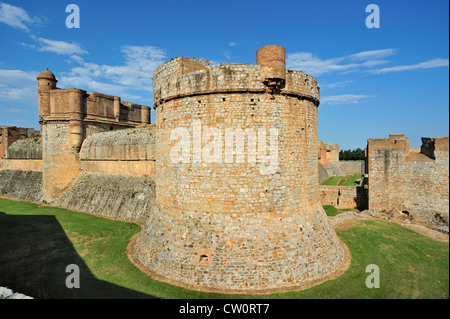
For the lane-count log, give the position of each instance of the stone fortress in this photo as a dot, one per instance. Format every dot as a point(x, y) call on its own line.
point(225, 183)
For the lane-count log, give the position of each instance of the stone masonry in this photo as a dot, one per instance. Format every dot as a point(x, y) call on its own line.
point(68, 117)
point(222, 220)
point(402, 179)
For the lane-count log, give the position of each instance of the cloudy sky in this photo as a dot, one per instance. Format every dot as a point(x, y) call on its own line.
point(393, 79)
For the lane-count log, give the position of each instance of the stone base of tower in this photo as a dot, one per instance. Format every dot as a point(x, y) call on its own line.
point(239, 252)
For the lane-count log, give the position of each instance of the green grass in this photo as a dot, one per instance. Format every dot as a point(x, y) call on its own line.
point(332, 181)
point(349, 180)
point(330, 210)
point(37, 241)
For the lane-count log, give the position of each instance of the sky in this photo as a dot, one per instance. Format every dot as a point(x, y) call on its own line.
point(374, 81)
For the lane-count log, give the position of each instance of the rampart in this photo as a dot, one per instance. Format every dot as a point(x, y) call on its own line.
point(68, 117)
point(401, 180)
point(328, 153)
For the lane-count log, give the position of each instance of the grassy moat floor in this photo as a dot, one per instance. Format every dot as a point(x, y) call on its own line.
point(348, 180)
point(38, 242)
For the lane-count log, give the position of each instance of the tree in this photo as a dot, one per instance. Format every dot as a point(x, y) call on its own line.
point(355, 155)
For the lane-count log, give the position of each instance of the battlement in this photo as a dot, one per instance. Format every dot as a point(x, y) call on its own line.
point(398, 142)
point(95, 107)
point(402, 178)
point(183, 77)
point(67, 118)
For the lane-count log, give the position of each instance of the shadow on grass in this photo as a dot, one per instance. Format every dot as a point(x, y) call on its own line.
point(34, 254)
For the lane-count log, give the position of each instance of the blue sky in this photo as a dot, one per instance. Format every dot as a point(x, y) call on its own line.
point(373, 82)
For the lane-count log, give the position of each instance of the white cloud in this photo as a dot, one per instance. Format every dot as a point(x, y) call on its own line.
point(369, 55)
point(227, 55)
point(423, 65)
point(335, 85)
point(59, 47)
point(344, 99)
point(311, 64)
point(232, 44)
point(16, 17)
point(18, 86)
point(120, 80)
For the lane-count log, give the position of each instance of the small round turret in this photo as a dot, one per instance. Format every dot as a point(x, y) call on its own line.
point(46, 83)
point(46, 74)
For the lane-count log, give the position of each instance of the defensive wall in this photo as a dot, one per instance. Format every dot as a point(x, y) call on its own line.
point(81, 161)
point(402, 179)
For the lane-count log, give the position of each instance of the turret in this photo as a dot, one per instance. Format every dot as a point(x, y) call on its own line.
point(76, 103)
point(272, 59)
point(46, 83)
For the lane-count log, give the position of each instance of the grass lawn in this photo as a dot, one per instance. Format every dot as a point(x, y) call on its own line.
point(349, 180)
point(38, 242)
point(330, 210)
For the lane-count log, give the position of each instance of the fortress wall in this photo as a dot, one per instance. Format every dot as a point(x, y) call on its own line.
point(59, 102)
point(60, 164)
point(132, 144)
point(23, 184)
point(126, 152)
point(352, 167)
point(131, 168)
point(342, 168)
point(116, 196)
point(335, 169)
point(18, 164)
point(403, 181)
point(117, 175)
point(323, 174)
point(99, 107)
point(338, 196)
point(26, 148)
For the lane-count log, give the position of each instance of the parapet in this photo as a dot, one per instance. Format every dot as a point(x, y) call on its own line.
point(394, 142)
point(398, 142)
point(430, 145)
point(183, 77)
point(27, 148)
point(97, 107)
point(133, 144)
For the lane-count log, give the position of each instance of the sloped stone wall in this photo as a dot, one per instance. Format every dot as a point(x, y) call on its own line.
point(21, 184)
point(117, 196)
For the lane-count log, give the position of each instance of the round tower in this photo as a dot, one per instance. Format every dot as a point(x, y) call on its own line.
point(237, 205)
point(46, 83)
point(76, 112)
